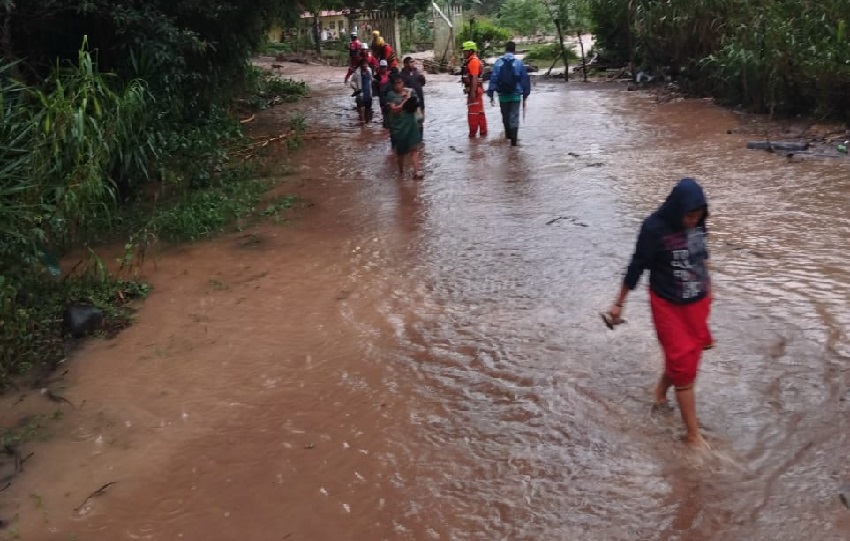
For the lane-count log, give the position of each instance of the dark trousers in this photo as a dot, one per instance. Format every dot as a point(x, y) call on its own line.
point(510, 119)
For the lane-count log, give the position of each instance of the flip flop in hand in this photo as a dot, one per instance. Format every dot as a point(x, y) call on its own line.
point(611, 321)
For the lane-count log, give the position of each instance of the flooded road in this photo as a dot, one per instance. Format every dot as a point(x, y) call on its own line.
point(425, 360)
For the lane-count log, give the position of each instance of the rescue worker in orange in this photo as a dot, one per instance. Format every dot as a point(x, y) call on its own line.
point(383, 51)
point(472, 72)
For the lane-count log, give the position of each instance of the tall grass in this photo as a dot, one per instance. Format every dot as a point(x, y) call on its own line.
point(74, 152)
point(86, 137)
point(774, 56)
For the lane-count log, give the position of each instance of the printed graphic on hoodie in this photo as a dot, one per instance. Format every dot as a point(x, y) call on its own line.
point(675, 257)
point(690, 273)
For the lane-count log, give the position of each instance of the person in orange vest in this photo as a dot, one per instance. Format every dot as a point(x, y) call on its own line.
point(383, 51)
point(472, 72)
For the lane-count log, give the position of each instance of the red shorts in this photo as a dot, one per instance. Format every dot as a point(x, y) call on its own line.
point(683, 332)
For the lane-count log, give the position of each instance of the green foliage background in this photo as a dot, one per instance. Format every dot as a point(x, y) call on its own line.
point(98, 100)
point(774, 56)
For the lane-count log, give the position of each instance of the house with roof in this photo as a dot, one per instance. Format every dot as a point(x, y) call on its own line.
point(336, 25)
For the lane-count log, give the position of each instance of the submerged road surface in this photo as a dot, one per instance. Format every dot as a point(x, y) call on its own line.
point(425, 360)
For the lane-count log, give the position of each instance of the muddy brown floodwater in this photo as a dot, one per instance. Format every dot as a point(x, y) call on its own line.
point(425, 361)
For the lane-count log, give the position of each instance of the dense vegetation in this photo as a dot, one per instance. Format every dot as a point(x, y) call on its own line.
point(776, 55)
point(781, 56)
point(104, 103)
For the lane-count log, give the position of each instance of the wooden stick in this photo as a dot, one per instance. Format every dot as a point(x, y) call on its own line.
point(97, 492)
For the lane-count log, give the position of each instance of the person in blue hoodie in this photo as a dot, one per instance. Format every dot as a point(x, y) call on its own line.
point(510, 79)
point(672, 246)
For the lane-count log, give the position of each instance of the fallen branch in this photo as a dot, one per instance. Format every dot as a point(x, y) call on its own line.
point(98, 492)
point(549, 71)
point(247, 120)
point(249, 150)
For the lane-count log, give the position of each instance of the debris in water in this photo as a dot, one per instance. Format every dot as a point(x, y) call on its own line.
point(310, 446)
point(98, 492)
point(358, 476)
point(844, 494)
point(346, 507)
point(53, 397)
point(568, 218)
point(323, 491)
point(784, 146)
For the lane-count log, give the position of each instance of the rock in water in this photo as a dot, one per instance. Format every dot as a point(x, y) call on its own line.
point(82, 319)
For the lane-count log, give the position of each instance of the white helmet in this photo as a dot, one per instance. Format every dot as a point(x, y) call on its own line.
point(364, 46)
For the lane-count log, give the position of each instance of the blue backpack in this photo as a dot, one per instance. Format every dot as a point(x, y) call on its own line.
point(507, 77)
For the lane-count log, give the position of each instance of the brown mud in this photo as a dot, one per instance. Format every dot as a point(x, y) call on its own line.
point(425, 360)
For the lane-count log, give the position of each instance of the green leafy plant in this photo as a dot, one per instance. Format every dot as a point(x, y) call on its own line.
point(489, 36)
point(548, 52)
point(525, 17)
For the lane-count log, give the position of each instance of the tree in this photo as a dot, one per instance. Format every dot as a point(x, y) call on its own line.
point(525, 17)
point(559, 11)
point(190, 52)
point(570, 17)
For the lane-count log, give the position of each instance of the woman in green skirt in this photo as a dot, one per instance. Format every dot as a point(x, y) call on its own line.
point(404, 126)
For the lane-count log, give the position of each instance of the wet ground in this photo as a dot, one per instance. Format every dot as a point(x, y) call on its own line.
point(425, 360)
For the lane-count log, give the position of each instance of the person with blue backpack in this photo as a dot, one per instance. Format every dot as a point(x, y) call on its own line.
point(510, 79)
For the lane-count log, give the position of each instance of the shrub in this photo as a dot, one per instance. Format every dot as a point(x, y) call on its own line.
point(549, 52)
point(489, 37)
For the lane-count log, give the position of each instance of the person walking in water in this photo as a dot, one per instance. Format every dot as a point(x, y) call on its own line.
point(402, 104)
point(413, 78)
point(471, 74)
point(361, 84)
point(672, 245)
point(510, 79)
point(353, 55)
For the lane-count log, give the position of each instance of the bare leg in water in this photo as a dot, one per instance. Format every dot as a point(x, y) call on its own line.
point(661, 389)
point(417, 169)
point(400, 159)
point(688, 405)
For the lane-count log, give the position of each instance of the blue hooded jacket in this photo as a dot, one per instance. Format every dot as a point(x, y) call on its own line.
point(523, 82)
point(676, 257)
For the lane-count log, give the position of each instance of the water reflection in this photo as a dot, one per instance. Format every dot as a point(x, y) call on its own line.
point(533, 419)
point(425, 359)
